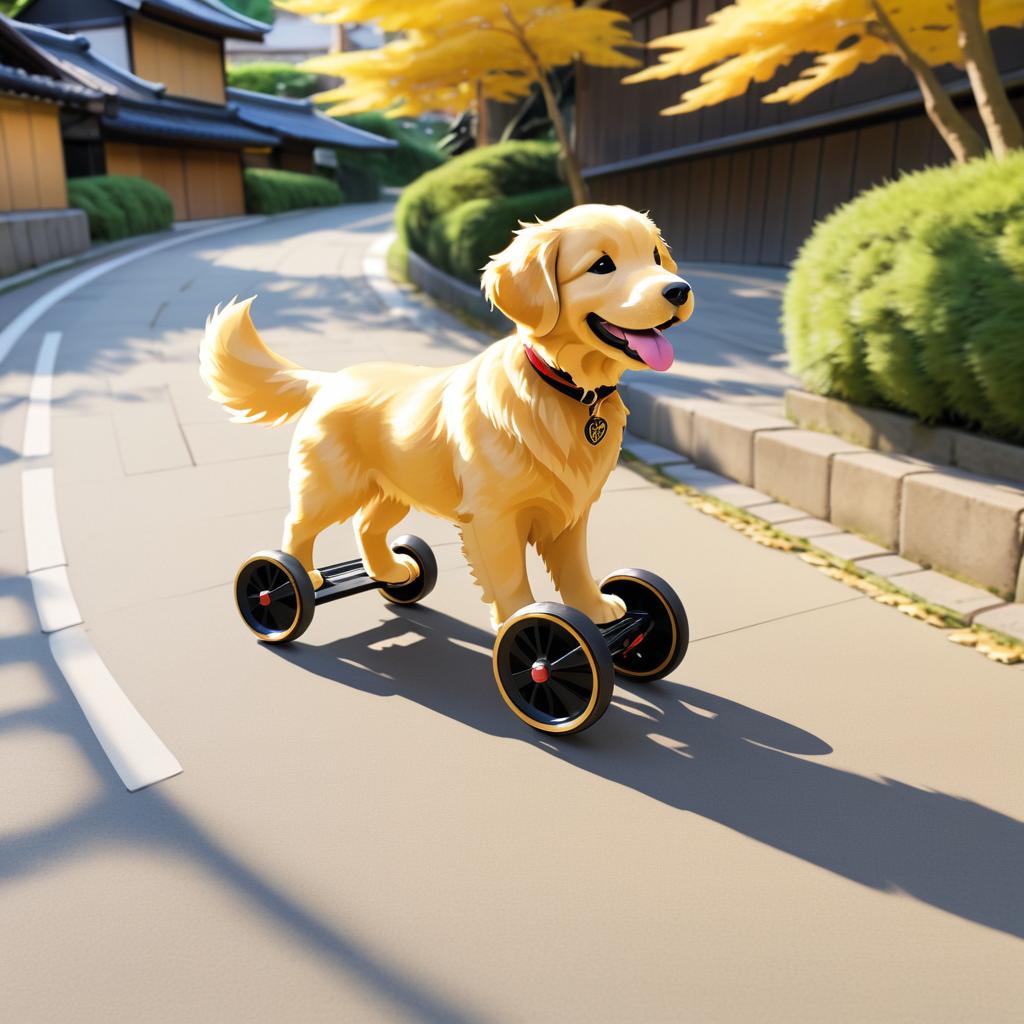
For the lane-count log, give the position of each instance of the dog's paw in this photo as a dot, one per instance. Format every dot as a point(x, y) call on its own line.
point(316, 578)
point(405, 570)
point(608, 609)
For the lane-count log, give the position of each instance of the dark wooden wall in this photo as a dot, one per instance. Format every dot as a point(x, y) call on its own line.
point(736, 199)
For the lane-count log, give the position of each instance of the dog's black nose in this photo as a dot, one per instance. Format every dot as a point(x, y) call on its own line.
point(677, 293)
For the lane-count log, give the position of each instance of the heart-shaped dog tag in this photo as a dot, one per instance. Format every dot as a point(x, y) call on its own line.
point(595, 429)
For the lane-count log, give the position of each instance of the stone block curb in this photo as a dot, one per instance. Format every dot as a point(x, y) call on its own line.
point(1008, 619)
point(965, 525)
point(937, 589)
point(848, 546)
point(887, 431)
point(723, 438)
point(650, 452)
point(866, 492)
point(887, 565)
point(795, 466)
point(777, 512)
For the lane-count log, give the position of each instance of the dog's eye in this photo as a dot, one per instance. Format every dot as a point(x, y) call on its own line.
point(603, 266)
point(657, 256)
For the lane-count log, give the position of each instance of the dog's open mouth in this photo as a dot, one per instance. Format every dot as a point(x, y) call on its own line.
point(647, 346)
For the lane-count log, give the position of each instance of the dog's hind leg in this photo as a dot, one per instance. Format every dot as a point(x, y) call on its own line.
point(372, 523)
point(300, 534)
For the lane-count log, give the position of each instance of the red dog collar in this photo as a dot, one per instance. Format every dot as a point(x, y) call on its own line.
point(562, 381)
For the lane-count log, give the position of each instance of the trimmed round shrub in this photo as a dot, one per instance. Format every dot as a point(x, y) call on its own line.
point(272, 191)
point(275, 78)
point(911, 297)
point(492, 172)
point(464, 239)
point(119, 205)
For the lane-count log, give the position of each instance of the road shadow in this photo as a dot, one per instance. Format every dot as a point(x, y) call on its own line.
point(153, 821)
point(701, 753)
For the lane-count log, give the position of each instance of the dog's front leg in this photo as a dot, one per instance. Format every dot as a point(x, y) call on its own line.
point(566, 558)
point(496, 551)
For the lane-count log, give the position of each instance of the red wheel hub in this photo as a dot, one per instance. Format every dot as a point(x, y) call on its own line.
point(264, 598)
point(539, 672)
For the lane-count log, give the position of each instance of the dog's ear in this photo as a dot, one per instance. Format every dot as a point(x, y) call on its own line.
point(521, 281)
point(666, 255)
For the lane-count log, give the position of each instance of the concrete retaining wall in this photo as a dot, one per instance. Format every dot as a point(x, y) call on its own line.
point(455, 293)
point(966, 524)
point(32, 238)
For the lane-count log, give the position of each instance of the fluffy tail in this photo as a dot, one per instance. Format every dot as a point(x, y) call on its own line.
point(245, 376)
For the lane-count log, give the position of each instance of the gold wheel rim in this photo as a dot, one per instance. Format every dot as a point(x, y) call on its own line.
point(532, 722)
point(281, 634)
point(672, 622)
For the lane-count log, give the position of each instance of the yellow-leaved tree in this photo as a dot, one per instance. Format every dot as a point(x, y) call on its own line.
point(452, 51)
point(751, 40)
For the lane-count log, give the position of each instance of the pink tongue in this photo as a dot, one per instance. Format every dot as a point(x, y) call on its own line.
point(651, 347)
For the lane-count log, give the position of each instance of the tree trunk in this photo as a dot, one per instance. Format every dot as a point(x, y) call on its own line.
point(1000, 120)
point(573, 177)
point(964, 142)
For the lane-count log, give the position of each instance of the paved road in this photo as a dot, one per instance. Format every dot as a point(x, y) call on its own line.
point(817, 818)
point(733, 349)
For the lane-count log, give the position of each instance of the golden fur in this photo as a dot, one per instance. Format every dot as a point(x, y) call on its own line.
point(486, 444)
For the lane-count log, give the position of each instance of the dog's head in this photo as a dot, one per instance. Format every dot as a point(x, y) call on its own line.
point(592, 290)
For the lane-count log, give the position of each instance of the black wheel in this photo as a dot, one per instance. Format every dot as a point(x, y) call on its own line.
point(417, 589)
point(664, 643)
point(553, 668)
point(274, 596)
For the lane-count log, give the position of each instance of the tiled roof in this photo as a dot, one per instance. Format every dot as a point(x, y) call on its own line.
point(300, 121)
point(209, 14)
point(74, 54)
point(21, 83)
point(141, 107)
point(183, 121)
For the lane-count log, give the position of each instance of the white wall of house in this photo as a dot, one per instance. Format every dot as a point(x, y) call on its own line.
point(109, 43)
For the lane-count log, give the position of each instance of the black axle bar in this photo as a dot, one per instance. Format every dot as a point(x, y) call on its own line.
point(344, 579)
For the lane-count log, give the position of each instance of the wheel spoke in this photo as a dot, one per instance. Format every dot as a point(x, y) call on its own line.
point(571, 700)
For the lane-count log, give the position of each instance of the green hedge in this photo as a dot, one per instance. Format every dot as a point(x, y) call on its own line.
point(272, 191)
point(492, 172)
point(911, 297)
point(261, 10)
point(358, 179)
point(118, 205)
point(464, 239)
point(272, 77)
point(414, 155)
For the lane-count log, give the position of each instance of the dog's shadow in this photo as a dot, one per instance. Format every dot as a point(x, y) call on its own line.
point(714, 757)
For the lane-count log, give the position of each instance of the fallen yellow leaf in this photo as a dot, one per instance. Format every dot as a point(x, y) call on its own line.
point(965, 637)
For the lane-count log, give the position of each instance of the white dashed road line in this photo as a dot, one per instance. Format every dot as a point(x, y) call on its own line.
point(37, 422)
point(55, 604)
point(135, 751)
point(138, 755)
point(43, 547)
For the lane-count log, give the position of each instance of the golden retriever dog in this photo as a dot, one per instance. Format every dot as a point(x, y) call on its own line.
point(513, 446)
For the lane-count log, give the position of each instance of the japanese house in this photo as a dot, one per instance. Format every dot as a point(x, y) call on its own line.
point(36, 93)
point(744, 181)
